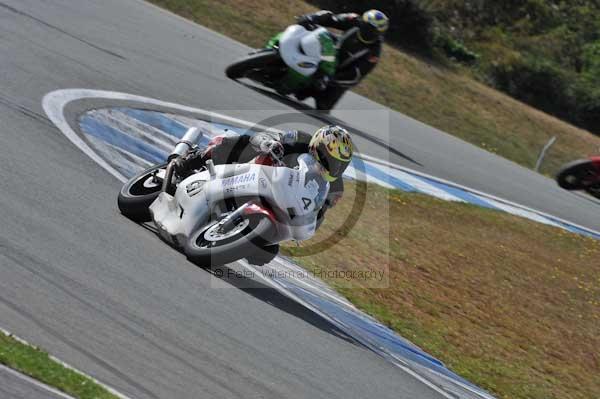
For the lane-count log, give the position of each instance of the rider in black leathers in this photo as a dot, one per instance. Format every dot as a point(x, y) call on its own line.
point(359, 52)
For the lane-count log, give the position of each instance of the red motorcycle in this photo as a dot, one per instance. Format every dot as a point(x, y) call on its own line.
point(583, 174)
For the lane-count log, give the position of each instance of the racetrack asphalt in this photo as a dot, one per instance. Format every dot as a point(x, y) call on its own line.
point(107, 296)
point(14, 385)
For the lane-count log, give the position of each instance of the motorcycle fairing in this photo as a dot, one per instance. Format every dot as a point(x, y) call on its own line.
point(306, 51)
point(296, 196)
point(302, 59)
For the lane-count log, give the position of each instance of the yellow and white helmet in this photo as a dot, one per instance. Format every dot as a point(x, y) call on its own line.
point(332, 147)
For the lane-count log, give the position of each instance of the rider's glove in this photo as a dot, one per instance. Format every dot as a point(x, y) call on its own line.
point(305, 20)
point(272, 147)
point(185, 164)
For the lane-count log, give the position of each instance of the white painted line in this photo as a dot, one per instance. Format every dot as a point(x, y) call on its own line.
point(36, 383)
point(465, 386)
point(139, 161)
point(117, 156)
point(142, 127)
point(54, 104)
point(313, 287)
point(352, 173)
point(123, 123)
point(425, 187)
point(65, 365)
point(522, 212)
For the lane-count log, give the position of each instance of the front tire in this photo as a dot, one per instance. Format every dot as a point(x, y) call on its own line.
point(575, 175)
point(205, 248)
point(260, 60)
point(138, 193)
point(594, 191)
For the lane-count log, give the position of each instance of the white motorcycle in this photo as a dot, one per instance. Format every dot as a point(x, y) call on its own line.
point(224, 213)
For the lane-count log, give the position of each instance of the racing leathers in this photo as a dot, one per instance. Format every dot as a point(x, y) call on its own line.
point(244, 148)
point(358, 53)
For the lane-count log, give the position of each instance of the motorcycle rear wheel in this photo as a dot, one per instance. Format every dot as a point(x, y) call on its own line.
point(138, 193)
point(204, 248)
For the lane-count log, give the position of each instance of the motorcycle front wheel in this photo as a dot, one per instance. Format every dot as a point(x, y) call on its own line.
point(211, 247)
point(138, 193)
point(578, 175)
point(594, 191)
point(260, 60)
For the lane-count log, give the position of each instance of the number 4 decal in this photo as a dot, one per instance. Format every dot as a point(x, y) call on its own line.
point(307, 202)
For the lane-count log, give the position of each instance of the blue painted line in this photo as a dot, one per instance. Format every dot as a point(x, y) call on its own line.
point(123, 141)
point(457, 192)
point(377, 173)
point(381, 335)
point(157, 120)
point(373, 326)
point(577, 230)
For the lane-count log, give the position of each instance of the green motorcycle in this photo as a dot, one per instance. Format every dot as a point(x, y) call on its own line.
point(296, 61)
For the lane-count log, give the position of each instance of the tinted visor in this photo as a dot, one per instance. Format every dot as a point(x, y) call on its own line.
point(334, 166)
point(368, 33)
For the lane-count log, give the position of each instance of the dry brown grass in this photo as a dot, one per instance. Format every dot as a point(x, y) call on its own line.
point(510, 304)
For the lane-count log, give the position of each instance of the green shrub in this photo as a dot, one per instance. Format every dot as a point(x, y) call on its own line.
point(455, 50)
point(591, 61)
point(537, 82)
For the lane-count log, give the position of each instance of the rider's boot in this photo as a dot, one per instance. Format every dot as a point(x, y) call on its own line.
point(327, 99)
point(303, 94)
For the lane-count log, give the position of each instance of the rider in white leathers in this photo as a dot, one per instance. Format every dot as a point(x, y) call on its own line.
point(327, 153)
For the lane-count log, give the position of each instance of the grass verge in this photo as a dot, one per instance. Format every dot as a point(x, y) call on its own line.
point(38, 364)
point(438, 96)
point(510, 304)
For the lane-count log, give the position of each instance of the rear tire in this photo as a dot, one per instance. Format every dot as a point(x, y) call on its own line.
point(245, 243)
point(573, 175)
point(260, 60)
point(138, 193)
